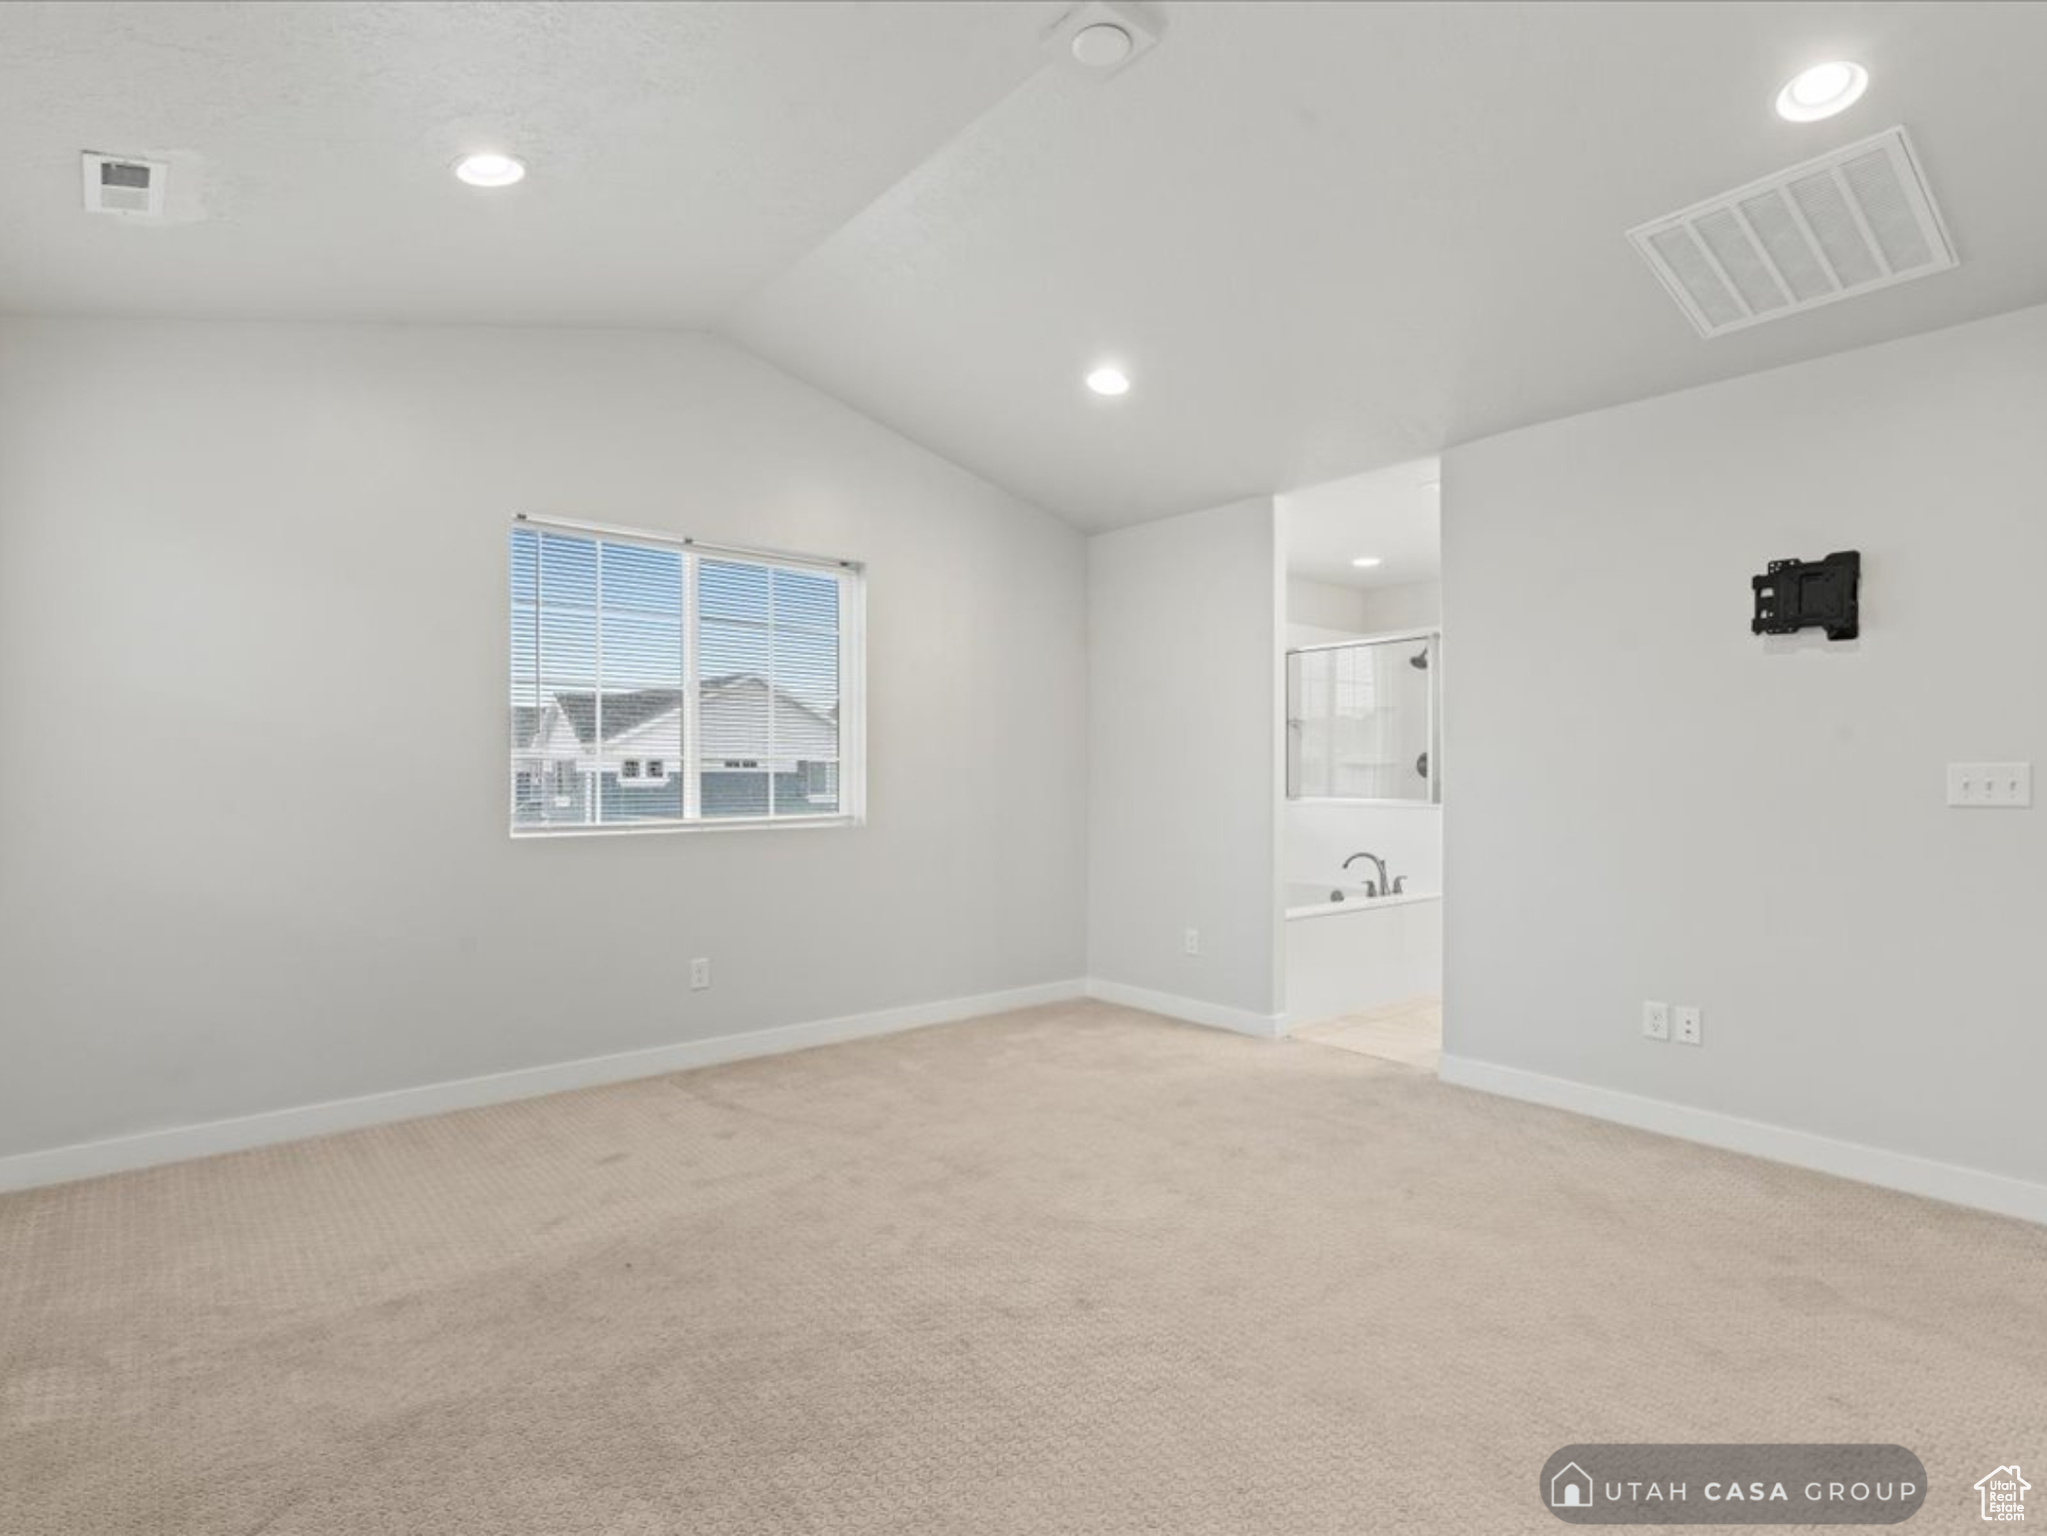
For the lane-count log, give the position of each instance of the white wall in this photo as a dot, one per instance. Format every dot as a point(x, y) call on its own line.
point(1320, 612)
point(1403, 605)
point(1183, 766)
point(252, 646)
point(1648, 802)
point(1321, 834)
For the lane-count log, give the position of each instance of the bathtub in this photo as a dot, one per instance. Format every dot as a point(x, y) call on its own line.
point(1304, 898)
point(1359, 952)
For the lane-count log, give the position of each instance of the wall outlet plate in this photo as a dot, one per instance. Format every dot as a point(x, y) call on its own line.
point(1688, 1029)
point(699, 975)
point(1990, 786)
point(1656, 1021)
point(1190, 941)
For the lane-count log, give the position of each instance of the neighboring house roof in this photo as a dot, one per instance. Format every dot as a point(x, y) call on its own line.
point(627, 712)
point(623, 712)
point(734, 680)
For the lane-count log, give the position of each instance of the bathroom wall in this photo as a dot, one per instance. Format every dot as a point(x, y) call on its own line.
point(1321, 834)
point(1320, 612)
point(1317, 835)
point(1404, 605)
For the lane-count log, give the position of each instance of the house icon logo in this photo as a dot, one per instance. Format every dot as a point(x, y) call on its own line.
point(1571, 1488)
point(2004, 1495)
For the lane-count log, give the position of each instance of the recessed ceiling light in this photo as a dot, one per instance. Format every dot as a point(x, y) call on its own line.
point(1432, 485)
point(1108, 381)
point(1366, 562)
point(1101, 46)
point(489, 170)
point(1102, 37)
point(1822, 91)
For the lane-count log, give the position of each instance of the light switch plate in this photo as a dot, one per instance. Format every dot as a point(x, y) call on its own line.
point(1992, 786)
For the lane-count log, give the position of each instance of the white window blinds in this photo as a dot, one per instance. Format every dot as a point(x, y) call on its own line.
point(656, 684)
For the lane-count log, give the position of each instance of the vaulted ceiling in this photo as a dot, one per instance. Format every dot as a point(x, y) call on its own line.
point(1320, 237)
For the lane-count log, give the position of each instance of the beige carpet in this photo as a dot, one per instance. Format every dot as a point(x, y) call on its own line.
point(1073, 1270)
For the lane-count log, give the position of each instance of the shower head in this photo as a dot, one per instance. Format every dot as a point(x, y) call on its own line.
point(1420, 660)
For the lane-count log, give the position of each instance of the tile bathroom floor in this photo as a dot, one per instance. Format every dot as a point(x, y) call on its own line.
point(1409, 1033)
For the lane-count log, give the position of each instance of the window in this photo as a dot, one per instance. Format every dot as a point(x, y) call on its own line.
point(658, 683)
point(652, 770)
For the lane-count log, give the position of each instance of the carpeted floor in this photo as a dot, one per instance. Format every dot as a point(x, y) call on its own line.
point(1071, 1270)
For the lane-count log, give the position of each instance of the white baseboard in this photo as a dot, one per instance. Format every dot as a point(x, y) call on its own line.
point(1266, 1026)
point(1957, 1185)
point(85, 1160)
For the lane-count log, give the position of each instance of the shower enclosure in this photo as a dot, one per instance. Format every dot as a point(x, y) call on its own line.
point(1362, 720)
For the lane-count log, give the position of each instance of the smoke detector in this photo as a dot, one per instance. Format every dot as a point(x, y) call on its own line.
point(124, 184)
point(1847, 223)
point(1102, 37)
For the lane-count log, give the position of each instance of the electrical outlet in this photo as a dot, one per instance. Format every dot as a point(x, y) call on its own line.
point(1190, 942)
point(2001, 786)
point(1687, 1031)
point(1656, 1021)
point(699, 975)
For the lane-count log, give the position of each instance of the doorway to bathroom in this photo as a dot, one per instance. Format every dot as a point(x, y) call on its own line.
point(1361, 841)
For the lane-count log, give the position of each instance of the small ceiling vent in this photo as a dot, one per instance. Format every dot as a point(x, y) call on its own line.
point(125, 185)
point(1848, 223)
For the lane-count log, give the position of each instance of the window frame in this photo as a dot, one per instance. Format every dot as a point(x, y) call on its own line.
point(689, 765)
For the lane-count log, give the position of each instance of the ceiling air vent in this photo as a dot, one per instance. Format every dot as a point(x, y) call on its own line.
point(124, 184)
point(1850, 222)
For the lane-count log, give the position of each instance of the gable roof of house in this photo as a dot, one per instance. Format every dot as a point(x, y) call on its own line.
point(623, 712)
point(1998, 1471)
point(730, 680)
point(628, 711)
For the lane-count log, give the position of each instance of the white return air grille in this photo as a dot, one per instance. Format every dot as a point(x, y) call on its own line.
point(1850, 222)
point(124, 184)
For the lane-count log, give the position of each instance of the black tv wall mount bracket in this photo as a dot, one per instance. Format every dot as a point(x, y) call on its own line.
point(1799, 594)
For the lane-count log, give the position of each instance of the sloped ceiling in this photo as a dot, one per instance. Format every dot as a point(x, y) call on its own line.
point(1320, 237)
point(681, 154)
